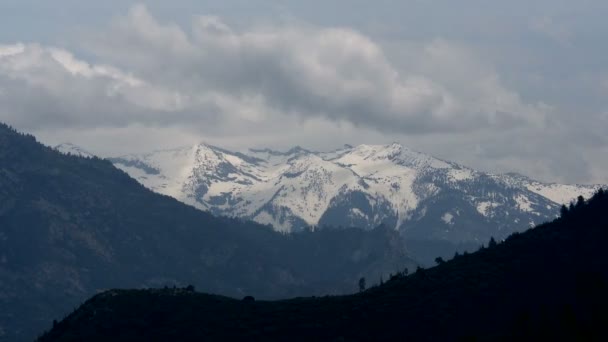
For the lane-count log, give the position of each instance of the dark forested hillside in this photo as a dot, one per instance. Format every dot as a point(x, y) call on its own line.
point(547, 284)
point(71, 227)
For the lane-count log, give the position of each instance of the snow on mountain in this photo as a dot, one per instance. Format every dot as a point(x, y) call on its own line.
point(558, 193)
point(363, 186)
point(68, 148)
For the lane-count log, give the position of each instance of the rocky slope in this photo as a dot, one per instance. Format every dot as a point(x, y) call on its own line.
point(365, 186)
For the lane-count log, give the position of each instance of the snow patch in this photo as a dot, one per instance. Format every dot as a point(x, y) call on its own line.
point(357, 212)
point(459, 175)
point(485, 208)
point(523, 203)
point(265, 218)
point(562, 194)
point(448, 218)
point(68, 148)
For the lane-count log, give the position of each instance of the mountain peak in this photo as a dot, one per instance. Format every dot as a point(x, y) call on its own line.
point(296, 150)
point(204, 145)
point(69, 148)
point(398, 154)
point(363, 186)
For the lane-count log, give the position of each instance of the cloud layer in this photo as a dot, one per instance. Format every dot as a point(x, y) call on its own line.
point(335, 73)
point(215, 71)
point(284, 84)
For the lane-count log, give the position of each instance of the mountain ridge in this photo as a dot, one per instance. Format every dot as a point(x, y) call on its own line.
point(386, 184)
point(549, 283)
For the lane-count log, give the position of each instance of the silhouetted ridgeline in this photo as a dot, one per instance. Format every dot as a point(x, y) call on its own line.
point(547, 284)
point(71, 227)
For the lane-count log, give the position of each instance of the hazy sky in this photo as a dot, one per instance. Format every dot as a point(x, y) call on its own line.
point(500, 86)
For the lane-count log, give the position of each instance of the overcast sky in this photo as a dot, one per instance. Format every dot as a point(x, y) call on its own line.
point(500, 86)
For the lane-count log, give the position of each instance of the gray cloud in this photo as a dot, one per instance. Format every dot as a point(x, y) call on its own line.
point(48, 87)
point(189, 78)
point(146, 81)
point(335, 73)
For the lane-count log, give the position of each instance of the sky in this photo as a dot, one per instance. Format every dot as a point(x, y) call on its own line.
point(517, 86)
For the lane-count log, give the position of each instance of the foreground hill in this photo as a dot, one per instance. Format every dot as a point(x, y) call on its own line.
point(547, 284)
point(432, 202)
point(73, 226)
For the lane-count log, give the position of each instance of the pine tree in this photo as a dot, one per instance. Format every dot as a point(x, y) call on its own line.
point(492, 243)
point(563, 211)
point(580, 201)
point(362, 284)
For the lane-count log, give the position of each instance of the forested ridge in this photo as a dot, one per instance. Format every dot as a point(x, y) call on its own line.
point(547, 284)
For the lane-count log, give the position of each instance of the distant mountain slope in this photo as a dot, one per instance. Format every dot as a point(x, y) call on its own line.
point(71, 226)
point(547, 284)
point(425, 198)
point(68, 148)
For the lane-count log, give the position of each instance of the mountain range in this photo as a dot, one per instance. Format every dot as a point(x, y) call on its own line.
point(438, 206)
point(72, 226)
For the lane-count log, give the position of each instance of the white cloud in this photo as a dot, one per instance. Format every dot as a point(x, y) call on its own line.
point(49, 86)
point(11, 50)
point(335, 73)
point(217, 75)
point(146, 82)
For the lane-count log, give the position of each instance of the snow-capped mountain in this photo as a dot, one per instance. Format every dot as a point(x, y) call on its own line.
point(365, 186)
point(72, 149)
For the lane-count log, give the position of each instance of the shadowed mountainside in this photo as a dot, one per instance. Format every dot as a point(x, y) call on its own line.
point(72, 226)
point(547, 284)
